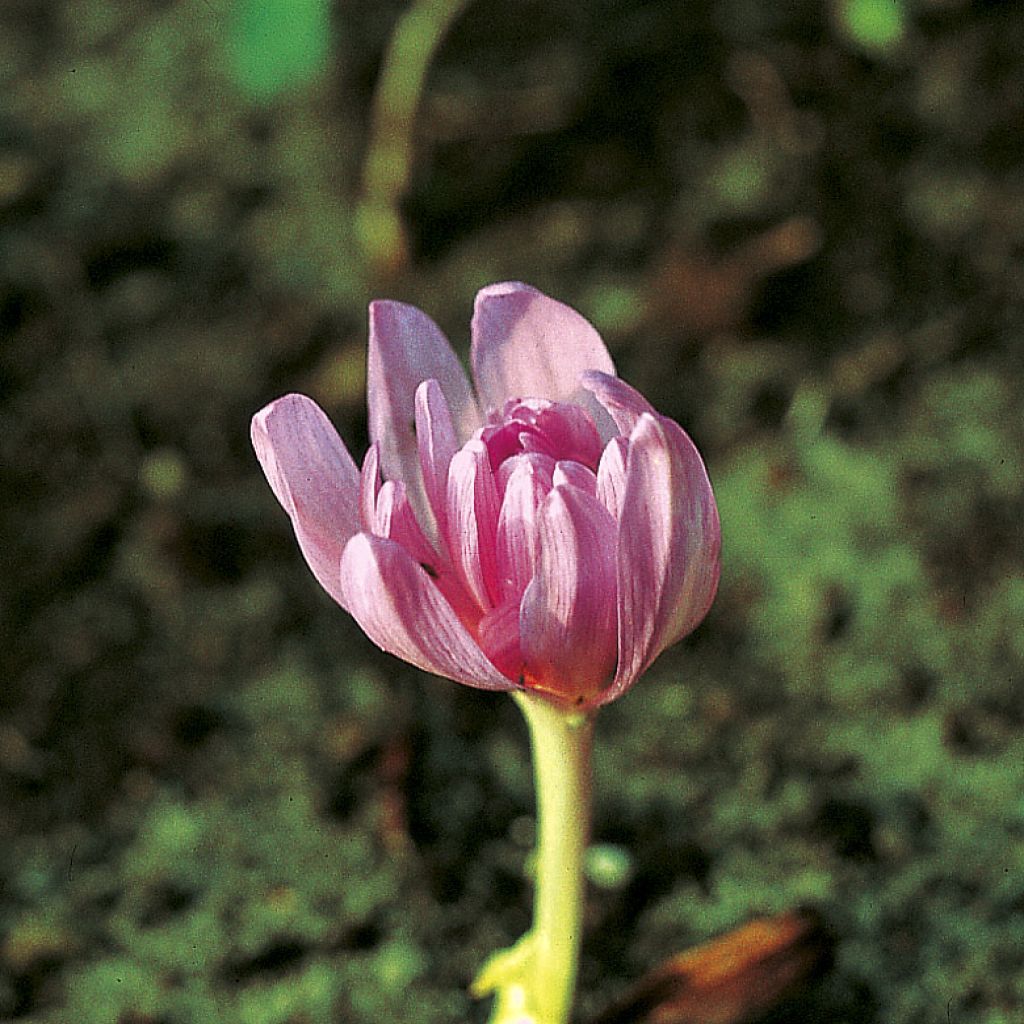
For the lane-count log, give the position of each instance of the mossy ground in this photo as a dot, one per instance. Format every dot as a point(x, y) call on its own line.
point(798, 226)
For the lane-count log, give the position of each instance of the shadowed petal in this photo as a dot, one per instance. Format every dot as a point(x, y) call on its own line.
point(668, 550)
point(567, 619)
point(528, 345)
point(402, 612)
point(314, 478)
point(623, 403)
point(407, 347)
point(369, 488)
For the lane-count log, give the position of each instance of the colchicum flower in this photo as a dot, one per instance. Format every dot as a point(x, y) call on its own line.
point(543, 530)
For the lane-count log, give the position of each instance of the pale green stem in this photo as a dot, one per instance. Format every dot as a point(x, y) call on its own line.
point(535, 980)
point(389, 158)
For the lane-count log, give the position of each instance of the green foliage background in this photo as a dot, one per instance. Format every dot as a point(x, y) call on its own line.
point(799, 228)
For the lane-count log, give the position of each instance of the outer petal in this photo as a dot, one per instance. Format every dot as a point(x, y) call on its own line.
point(407, 347)
point(567, 619)
point(624, 404)
point(527, 345)
point(402, 612)
point(314, 478)
point(669, 545)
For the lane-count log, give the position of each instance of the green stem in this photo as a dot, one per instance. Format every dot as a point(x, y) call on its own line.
point(535, 980)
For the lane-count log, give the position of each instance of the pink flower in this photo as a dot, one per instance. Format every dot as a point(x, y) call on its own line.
point(546, 529)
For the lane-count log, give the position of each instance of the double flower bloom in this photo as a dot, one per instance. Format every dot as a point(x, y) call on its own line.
point(543, 529)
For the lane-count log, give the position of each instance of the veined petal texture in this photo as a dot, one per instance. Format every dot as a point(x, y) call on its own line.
point(401, 610)
point(526, 345)
point(407, 347)
point(567, 620)
point(314, 478)
point(668, 546)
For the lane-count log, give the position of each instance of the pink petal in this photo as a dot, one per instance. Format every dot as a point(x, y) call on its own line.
point(669, 544)
point(437, 443)
point(571, 433)
point(542, 465)
point(611, 476)
point(624, 404)
point(396, 520)
point(498, 632)
point(314, 478)
point(519, 528)
point(369, 488)
point(407, 347)
point(527, 345)
point(472, 520)
point(567, 619)
point(402, 612)
point(575, 475)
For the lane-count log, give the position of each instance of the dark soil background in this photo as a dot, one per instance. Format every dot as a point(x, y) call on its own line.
point(800, 228)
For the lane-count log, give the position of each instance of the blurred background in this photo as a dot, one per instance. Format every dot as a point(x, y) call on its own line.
point(800, 228)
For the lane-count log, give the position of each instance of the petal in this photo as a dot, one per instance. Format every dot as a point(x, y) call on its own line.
point(472, 521)
point(575, 475)
point(396, 520)
point(498, 632)
point(570, 432)
point(314, 478)
point(611, 476)
point(407, 347)
point(527, 345)
point(402, 612)
point(567, 619)
point(369, 488)
point(669, 545)
point(624, 404)
point(437, 443)
point(518, 537)
point(542, 465)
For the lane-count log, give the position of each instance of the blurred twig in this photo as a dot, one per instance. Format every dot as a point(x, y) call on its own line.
point(389, 158)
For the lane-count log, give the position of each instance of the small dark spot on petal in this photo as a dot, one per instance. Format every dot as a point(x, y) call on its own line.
point(429, 570)
point(579, 700)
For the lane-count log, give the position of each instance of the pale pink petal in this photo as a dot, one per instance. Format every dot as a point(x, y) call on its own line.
point(623, 403)
point(314, 478)
point(518, 528)
point(407, 347)
point(472, 520)
point(437, 443)
point(575, 475)
point(369, 487)
point(668, 551)
point(402, 612)
point(543, 467)
point(528, 345)
point(567, 619)
point(396, 520)
point(611, 475)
